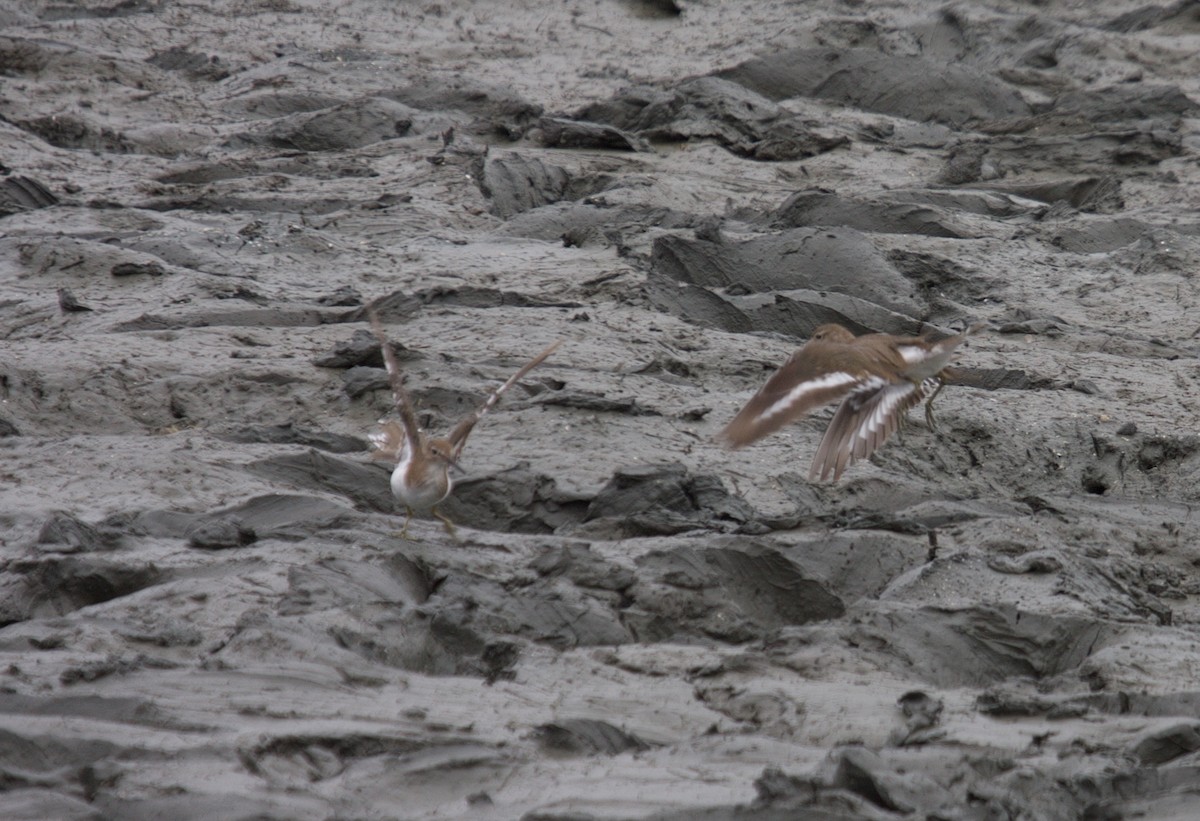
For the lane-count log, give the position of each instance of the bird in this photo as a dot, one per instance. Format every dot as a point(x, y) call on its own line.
point(423, 477)
point(878, 377)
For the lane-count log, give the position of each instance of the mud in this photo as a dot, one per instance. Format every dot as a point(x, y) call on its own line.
point(208, 610)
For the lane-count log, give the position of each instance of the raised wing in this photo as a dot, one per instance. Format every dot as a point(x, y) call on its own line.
point(866, 419)
point(458, 436)
point(408, 434)
point(388, 440)
point(817, 374)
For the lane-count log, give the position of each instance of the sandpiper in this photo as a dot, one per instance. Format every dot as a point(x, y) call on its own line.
point(878, 377)
point(422, 477)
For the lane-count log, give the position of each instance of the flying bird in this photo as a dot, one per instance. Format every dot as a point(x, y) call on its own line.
point(422, 477)
point(877, 377)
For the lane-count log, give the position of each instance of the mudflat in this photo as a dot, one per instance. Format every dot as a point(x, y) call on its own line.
point(208, 610)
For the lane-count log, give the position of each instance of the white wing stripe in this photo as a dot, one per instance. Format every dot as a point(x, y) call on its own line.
point(885, 407)
point(829, 380)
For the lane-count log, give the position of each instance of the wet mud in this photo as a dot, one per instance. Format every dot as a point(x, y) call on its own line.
point(206, 606)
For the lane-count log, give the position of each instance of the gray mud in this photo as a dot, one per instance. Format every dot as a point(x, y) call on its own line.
point(207, 609)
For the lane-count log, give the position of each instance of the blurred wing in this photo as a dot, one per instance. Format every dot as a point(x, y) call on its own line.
point(812, 377)
point(458, 436)
point(863, 422)
point(389, 441)
point(408, 433)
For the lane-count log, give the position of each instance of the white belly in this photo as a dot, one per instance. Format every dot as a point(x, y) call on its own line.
point(420, 496)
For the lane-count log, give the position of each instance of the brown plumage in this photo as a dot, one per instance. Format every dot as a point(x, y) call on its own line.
point(422, 476)
point(878, 377)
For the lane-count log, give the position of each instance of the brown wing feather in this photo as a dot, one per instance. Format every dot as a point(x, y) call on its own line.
point(458, 436)
point(817, 374)
point(388, 441)
point(864, 421)
point(408, 417)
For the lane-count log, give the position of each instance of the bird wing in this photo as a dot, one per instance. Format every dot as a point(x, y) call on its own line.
point(867, 418)
point(815, 375)
point(388, 441)
point(458, 436)
point(394, 436)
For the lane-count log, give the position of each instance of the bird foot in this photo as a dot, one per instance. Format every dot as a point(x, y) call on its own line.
point(408, 515)
point(447, 524)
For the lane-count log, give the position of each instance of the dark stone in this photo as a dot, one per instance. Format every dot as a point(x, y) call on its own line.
point(220, 534)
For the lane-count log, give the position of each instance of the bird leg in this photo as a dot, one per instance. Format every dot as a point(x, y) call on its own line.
point(929, 405)
point(446, 523)
point(408, 511)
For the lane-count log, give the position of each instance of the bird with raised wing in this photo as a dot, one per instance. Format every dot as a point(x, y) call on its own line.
point(877, 376)
point(423, 475)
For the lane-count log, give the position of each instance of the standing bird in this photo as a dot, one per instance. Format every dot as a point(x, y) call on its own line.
point(422, 478)
point(878, 377)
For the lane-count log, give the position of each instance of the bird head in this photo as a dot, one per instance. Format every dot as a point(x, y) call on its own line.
point(442, 451)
